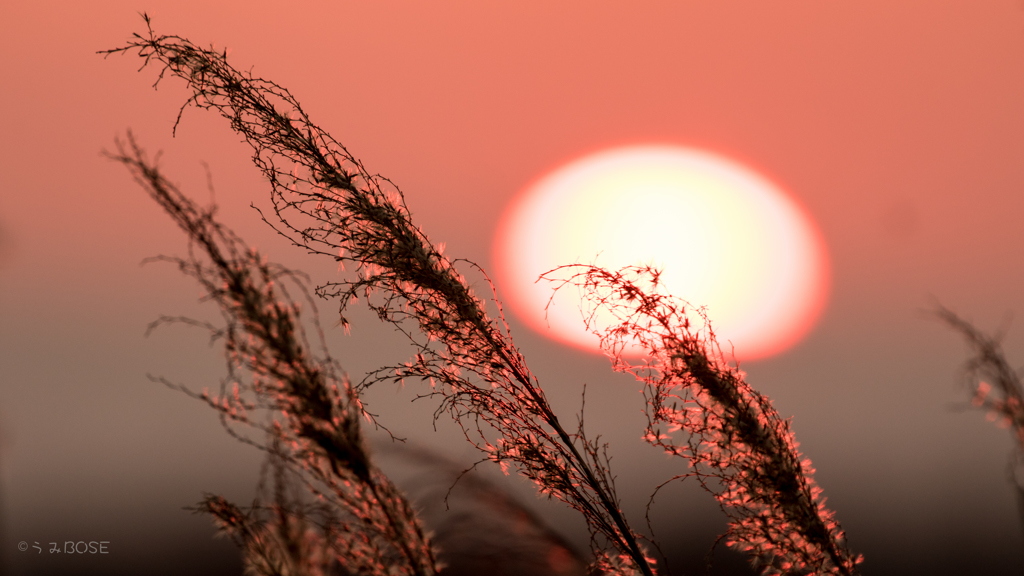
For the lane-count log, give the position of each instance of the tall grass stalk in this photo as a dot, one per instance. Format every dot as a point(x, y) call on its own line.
point(735, 443)
point(328, 203)
point(316, 413)
point(997, 389)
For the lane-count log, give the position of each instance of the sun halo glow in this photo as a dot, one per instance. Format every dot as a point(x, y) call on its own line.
point(725, 238)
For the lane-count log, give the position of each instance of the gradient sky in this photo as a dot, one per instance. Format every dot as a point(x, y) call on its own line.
point(898, 124)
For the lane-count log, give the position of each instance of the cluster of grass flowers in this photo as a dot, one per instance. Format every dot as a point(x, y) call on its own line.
point(736, 444)
point(326, 202)
point(997, 389)
point(315, 413)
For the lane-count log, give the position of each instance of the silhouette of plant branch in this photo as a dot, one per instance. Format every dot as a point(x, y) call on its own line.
point(313, 412)
point(996, 388)
point(327, 202)
point(738, 447)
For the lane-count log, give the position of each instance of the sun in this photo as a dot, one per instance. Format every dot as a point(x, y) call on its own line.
point(726, 238)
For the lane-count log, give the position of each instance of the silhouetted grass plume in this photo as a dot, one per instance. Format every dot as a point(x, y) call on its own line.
point(997, 389)
point(315, 411)
point(736, 444)
point(326, 202)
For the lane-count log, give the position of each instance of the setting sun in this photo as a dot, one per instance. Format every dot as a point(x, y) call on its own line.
point(725, 237)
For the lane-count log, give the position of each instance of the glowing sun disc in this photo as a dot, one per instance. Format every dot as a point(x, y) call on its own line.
point(726, 238)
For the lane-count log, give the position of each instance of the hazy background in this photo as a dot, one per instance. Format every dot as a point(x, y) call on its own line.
point(898, 124)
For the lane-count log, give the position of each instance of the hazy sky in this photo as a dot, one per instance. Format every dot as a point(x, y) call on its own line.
point(898, 124)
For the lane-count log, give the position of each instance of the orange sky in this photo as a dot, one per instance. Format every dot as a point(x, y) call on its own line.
point(899, 125)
